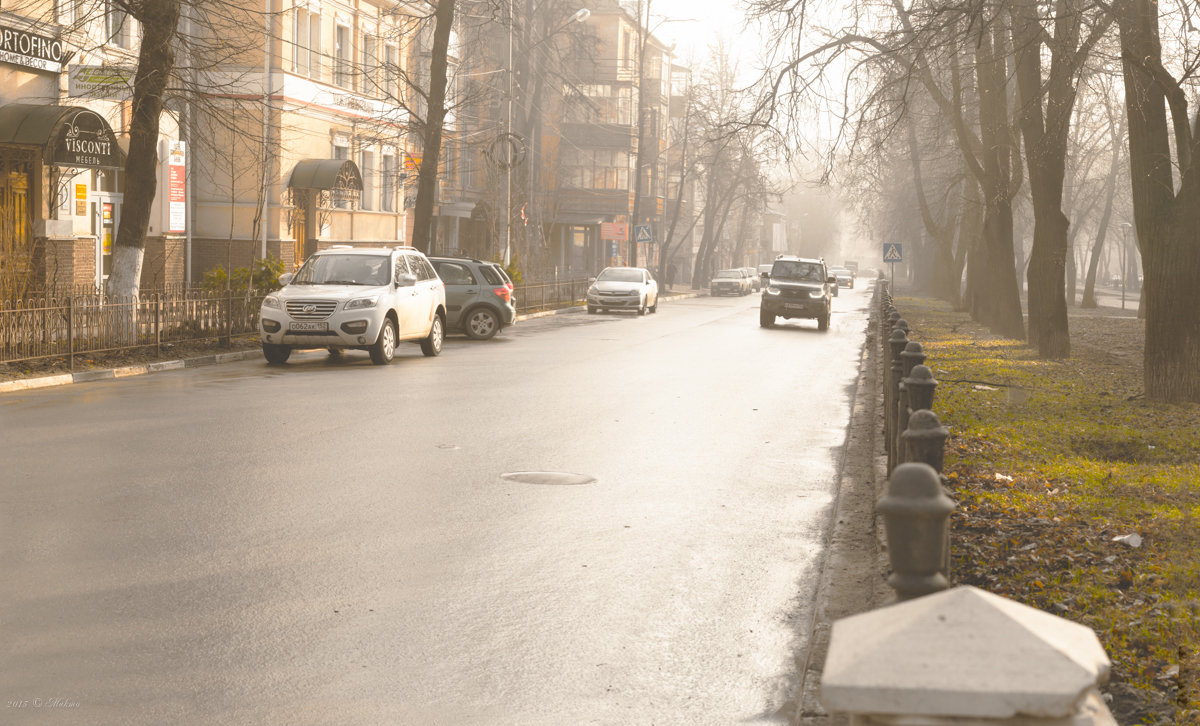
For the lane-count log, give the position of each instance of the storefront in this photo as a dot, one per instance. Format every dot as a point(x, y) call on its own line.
point(60, 203)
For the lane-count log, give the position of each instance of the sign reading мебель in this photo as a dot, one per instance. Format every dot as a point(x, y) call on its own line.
point(85, 140)
point(176, 187)
point(23, 48)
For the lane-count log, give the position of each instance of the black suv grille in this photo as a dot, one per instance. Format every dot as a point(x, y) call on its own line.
point(310, 309)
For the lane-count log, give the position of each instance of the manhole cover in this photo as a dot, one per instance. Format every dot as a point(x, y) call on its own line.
point(547, 477)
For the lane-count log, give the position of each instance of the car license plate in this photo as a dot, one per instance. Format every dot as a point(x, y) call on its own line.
point(310, 326)
point(794, 306)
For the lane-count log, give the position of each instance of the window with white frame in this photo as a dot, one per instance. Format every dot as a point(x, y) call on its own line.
point(367, 168)
point(117, 25)
point(391, 73)
point(306, 43)
point(387, 183)
point(341, 152)
point(370, 65)
point(343, 53)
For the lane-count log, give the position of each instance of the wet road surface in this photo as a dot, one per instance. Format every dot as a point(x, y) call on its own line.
point(338, 543)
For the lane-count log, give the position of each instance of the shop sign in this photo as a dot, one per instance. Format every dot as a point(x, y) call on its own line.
point(108, 82)
point(614, 230)
point(176, 187)
point(85, 140)
point(23, 48)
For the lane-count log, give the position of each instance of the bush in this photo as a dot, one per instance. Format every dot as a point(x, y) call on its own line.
point(264, 278)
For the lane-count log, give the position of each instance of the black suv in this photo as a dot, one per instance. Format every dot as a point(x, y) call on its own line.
point(799, 288)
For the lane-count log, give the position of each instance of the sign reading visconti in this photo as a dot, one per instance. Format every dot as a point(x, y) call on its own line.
point(22, 48)
point(86, 141)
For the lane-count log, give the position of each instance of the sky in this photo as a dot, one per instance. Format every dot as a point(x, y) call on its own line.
point(694, 25)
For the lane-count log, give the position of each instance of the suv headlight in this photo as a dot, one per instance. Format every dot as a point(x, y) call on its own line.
point(362, 302)
point(270, 301)
point(817, 294)
point(772, 290)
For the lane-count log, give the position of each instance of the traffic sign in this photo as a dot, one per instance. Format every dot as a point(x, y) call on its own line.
point(643, 234)
point(893, 252)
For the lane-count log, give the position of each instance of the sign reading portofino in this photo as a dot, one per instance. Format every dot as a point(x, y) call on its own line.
point(22, 48)
point(86, 141)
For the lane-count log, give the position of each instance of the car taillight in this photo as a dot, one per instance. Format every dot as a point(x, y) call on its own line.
point(502, 292)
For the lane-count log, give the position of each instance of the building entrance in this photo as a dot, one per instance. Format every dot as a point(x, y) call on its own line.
point(16, 239)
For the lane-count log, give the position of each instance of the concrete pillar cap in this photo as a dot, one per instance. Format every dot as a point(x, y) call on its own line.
point(961, 653)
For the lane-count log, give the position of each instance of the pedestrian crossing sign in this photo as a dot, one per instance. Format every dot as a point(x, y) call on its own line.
point(893, 252)
point(642, 233)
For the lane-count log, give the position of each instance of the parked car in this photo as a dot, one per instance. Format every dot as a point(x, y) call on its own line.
point(800, 288)
point(845, 277)
point(730, 282)
point(623, 288)
point(752, 276)
point(364, 298)
point(479, 296)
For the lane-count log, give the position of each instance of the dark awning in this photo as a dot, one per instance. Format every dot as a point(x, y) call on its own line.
point(325, 174)
point(68, 135)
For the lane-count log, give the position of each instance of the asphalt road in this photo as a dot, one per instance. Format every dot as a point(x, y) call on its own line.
point(331, 542)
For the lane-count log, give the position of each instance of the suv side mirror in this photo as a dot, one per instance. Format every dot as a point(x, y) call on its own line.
point(832, 280)
point(285, 278)
point(406, 279)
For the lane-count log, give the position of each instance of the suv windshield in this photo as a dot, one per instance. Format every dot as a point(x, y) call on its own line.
point(344, 270)
point(797, 270)
point(611, 275)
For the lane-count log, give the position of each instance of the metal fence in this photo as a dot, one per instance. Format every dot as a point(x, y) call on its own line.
point(71, 325)
point(550, 295)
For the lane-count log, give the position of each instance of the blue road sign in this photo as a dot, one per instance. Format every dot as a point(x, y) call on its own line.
point(893, 252)
point(642, 233)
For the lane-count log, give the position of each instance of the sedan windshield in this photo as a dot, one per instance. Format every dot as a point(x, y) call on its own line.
point(617, 275)
point(729, 273)
point(344, 270)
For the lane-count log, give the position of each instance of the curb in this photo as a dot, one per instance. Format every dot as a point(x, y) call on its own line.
point(104, 374)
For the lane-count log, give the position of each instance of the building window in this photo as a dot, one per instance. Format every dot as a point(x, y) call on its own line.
point(367, 201)
point(370, 65)
point(306, 43)
point(342, 54)
point(341, 152)
point(387, 183)
point(116, 25)
point(391, 72)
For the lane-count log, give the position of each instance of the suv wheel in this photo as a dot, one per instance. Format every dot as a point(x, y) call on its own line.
point(765, 319)
point(275, 354)
point(431, 344)
point(823, 322)
point(481, 324)
point(384, 349)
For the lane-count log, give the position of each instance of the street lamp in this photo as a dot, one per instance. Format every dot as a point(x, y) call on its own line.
point(1124, 257)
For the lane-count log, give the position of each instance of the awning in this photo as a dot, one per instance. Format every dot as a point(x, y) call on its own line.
point(68, 135)
point(326, 174)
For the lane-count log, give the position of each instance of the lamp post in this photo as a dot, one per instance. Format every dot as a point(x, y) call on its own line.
point(1124, 257)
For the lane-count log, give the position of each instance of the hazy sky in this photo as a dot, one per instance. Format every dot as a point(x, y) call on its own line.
point(706, 20)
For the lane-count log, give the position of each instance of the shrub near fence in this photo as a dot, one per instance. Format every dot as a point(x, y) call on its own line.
point(63, 327)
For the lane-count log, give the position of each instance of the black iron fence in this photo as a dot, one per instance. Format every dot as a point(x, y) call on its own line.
point(550, 295)
point(70, 325)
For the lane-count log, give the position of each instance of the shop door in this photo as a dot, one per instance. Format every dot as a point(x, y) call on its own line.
point(106, 218)
point(16, 243)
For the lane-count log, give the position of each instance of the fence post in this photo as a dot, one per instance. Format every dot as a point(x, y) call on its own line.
point(897, 342)
point(916, 516)
point(70, 333)
point(158, 324)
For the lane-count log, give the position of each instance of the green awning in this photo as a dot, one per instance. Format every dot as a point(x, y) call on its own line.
point(326, 174)
point(67, 135)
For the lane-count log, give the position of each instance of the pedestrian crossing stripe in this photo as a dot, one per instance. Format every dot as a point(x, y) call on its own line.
point(892, 253)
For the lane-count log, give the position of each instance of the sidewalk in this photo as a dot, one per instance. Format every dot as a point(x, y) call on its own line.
point(103, 374)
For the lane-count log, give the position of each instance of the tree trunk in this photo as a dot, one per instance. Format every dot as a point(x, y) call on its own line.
point(1168, 225)
point(427, 175)
point(156, 61)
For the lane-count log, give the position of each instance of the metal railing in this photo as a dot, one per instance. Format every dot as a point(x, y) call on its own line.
point(531, 297)
point(72, 325)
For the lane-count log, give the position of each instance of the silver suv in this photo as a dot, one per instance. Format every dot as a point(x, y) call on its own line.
point(365, 298)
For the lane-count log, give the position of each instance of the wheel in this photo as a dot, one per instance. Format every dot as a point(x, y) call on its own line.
point(481, 324)
point(642, 307)
point(591, 309)
point(276, 354)
point(384, 349)
point(431, 344)
point(836, 290)
point(654, 308)
point(765, 319)
point(823, 322)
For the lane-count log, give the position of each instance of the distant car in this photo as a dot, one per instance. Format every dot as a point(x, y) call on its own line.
point(800, 288)
point(479, 296)
point(752, 276)
point(845, 277)
point(730, 282)
point(363, 298)
point(764, 274)
point(623, 288)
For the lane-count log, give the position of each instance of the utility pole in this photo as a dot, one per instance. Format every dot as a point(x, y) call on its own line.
point(643, 10)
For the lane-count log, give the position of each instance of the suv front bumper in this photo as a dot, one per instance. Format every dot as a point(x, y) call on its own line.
point(343, 329)
point(790, 307)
